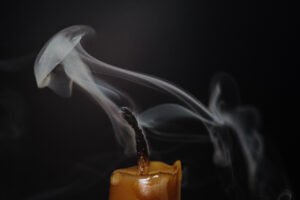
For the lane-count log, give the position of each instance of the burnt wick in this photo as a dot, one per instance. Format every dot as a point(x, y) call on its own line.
point(141, 145)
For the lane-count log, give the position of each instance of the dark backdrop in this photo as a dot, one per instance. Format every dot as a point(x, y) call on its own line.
point(186, 42)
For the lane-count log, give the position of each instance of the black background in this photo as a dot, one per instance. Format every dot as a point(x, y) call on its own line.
point(186, 42)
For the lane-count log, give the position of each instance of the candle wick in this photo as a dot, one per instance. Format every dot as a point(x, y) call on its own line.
point(141, 145)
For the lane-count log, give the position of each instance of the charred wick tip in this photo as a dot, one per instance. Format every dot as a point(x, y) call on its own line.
point(141, 144)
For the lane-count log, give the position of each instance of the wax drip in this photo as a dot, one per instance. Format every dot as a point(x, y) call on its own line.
point(141, 145)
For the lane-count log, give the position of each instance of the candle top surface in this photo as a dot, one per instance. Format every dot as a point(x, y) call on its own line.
point(155, 167)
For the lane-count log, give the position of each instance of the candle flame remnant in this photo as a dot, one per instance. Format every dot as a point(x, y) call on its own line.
point(141, 144)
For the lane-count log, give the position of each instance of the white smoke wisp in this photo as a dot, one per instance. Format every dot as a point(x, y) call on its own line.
point(63, 62)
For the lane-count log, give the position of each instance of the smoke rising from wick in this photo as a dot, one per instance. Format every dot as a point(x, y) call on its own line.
point(64, 62)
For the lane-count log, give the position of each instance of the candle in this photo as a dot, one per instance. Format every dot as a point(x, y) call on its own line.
point(162, 182)
point(148, 180)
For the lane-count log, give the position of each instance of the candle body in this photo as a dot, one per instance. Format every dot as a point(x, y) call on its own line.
point(163, 182)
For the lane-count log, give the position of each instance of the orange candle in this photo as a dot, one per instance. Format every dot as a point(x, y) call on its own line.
point(148, 180)
point(162, 182)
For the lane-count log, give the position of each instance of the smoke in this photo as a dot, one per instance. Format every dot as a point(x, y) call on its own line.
point(64, 63)
point(286, 194)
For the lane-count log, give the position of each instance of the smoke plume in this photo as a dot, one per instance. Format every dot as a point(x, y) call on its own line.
point(63, 63)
